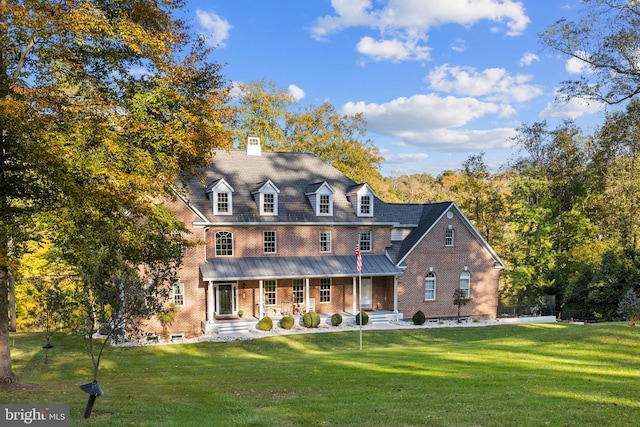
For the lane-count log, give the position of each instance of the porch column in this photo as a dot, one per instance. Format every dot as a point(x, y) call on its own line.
point(210, 307)
point(354, 309)
point(306, 295)
point(260, 298)
point(395, 296)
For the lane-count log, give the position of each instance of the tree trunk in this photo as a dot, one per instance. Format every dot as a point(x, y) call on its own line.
point(6, 372)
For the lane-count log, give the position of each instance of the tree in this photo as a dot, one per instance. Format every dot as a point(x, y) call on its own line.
point(629, 307)
point(460, 299)
point(284, 125)
point(605, 40)
point(102, 105)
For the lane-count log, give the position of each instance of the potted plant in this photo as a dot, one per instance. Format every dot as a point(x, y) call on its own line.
point(240, 313)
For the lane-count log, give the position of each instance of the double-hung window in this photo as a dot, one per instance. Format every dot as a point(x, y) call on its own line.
point(298, 291)
point(268, 203)
point(269, 242)
point(325, 241)
point(365, 241)
point(430, 287)
point(222, 203)
point(448, 237)
point(325, 289)
point(465, 283)
point(270, 292)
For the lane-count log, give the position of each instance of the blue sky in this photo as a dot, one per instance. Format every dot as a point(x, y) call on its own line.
point(437, 80)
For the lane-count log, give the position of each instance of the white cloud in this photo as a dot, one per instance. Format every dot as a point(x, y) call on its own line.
point(296, 92)
point(392, 50)
point(528, 59)
point(404, 24)
point(578, 64)
point(493, 84)
point(572, 109)
point(216, 29)
point(432, 121)
point(459, 46)
point(407, 158)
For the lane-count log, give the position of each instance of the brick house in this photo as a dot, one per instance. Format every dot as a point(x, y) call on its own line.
point(278, 233)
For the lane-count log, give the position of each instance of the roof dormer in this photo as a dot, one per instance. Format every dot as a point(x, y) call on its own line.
point(266, 197)
point(221, 197)
point(320, 197)
point(362, 197)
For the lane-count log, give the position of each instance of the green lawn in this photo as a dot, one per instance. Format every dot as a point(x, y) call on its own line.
point(509, 375)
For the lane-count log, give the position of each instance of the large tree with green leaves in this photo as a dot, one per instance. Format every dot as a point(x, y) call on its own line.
point(102, 104)
point(284, 125)
point(605, 40)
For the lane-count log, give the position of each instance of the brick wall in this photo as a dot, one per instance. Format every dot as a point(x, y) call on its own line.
point(447, 264)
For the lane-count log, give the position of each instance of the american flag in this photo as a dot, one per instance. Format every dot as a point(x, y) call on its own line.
point(358, 259)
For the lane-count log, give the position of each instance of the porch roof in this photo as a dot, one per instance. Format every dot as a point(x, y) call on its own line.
point(295, 267)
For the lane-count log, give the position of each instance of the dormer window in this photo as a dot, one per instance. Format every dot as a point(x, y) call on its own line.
point(268, 203)
point(321, 198)
point(222, 197)
point(364, 205)
point(362, 199)
point(324, 207)
point(267, 198)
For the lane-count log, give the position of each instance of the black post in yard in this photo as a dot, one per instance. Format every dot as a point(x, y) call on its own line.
point(93, 390)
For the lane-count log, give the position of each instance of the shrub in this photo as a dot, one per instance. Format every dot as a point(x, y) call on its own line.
point(336, 319)
point(287, 322)
point(419, 318)
point(629, 307)
point(311, 319)
point(265, 324)
point(365, 318)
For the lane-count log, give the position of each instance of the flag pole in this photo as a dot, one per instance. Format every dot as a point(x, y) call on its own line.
point(360, 303)
point(359, 269)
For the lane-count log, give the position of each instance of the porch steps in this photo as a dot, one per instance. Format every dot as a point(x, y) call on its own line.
point(234, 327)
point(382, 317)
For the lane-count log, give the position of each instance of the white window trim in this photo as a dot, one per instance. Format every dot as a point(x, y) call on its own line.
point(446, 238)
point(430, 275)
point(370, 240)
point(216, 211)
point(264, 241)
point(267, 188)
point(275, 292)
point(221, 187)
point(180, 285)
point(215, 243)
point(330, 242)
point(301, 284)
point(360, 205)
point(467, 279)
point(318, 204)
point(330, 290)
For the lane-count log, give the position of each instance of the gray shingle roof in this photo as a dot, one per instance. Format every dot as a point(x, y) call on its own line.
point(295, 174)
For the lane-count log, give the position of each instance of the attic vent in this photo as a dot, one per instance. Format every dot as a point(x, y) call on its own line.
point(253, 146)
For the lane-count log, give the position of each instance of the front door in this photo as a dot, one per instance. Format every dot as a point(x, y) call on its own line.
point(225, 299)
point(367, 292)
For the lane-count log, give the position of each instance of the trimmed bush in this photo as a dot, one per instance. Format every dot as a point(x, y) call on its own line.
point(287, 322)
point(311, 319)
point(365, 318)
point(419, 318)
point(265, 324)
point(336, 319)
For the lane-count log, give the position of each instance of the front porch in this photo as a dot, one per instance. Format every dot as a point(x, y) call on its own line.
point(233, 325)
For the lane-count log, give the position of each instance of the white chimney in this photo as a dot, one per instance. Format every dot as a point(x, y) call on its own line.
point(253, 146)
